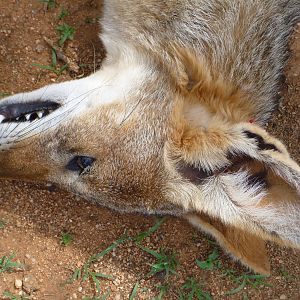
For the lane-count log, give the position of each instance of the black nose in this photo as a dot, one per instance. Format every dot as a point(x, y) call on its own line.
point(80, 163)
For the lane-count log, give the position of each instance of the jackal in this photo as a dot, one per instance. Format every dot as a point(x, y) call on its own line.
point(173, 121)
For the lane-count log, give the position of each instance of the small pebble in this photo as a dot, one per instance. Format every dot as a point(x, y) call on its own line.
point(18, 283)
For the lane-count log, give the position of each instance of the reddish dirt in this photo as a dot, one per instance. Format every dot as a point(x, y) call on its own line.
point(36, 216)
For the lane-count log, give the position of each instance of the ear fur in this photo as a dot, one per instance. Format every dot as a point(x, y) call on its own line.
point(241, 181)
point(246, 178)
point(199, 84)
point(243, 176)
point(247, 248)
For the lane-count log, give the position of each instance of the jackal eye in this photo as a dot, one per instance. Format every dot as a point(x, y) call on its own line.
point(80, 164)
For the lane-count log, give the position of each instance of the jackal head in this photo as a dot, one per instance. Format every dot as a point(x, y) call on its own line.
point(132, 139)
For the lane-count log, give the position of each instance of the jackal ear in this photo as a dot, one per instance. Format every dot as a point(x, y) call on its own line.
point(245, 178)
point(243, 246)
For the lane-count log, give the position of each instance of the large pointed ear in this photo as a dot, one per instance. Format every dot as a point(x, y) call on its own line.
point(242, 176)
point(243, 246)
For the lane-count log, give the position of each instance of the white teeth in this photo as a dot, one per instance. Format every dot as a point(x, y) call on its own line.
point(28, 117)
point(1, 118)
point(40, 114)
point(18, 118)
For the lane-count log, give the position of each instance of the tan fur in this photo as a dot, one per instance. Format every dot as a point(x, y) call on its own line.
point(166, 121)
point(244, 246)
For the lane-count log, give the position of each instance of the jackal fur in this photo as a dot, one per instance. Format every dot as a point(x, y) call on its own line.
point(173, 121)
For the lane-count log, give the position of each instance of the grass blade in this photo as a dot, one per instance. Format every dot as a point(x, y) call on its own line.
point(134, 291)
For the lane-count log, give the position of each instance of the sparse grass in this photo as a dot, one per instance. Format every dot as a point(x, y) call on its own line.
point(66, 32)
point(8, 265)
point(285, 274)
point(54, 66)
point(163, 291)
point(66, 239)
point(192, 290)
point(3, 94)
point(166, 262)
point(13, 297)
point(134, 291)
point(49, 3)
point(211, 263)
point(2, 223)
point(247, 279)
point(63, 13)
point(141, 236)
point(86, 272)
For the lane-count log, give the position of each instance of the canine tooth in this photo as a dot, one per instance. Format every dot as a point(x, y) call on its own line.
point(40, 114)
point(28, 117)
point(1, 118)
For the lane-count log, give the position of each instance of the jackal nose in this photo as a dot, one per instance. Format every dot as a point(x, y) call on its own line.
point(24, 112)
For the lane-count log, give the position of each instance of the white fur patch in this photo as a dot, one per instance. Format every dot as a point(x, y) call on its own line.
point(197, 115)
point(111, 84)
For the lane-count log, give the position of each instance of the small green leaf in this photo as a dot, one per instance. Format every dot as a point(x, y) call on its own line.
point(141, 236)
point(50, 68)
point(106, 295)
point(134, 291)
point(238, 289)
point(66, 33)
point(63, 13)
point(54, 59)
point(66, 239)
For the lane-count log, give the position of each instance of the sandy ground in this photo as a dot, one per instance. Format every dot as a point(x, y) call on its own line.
point(35, 216)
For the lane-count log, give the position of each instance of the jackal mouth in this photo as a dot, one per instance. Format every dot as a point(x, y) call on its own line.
point(26, 112)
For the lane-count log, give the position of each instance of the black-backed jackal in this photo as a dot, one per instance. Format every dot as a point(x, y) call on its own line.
point(172, 122)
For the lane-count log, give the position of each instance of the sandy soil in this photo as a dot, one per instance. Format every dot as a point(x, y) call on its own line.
point(35, 216)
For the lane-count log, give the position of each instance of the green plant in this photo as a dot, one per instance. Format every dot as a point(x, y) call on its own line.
point(163, 291)
point(87, 273)
point(49, 3)
point(66, 239)
point(247, 279)
point(54, 66)
point(8, 265)
point(191, 290)
point(134, 291)
point(66, 32)
point(2, 223)
point(211, 263)
point(3, 94)
point(141, 236)
point(285, 274)
point(63, 13)
point(13, 297)
point(166, 263)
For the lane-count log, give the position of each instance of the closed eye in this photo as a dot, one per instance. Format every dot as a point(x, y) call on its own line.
point(80, 164)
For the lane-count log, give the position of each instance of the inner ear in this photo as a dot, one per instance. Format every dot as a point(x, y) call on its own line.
point(193, 174)
point(197, 175)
